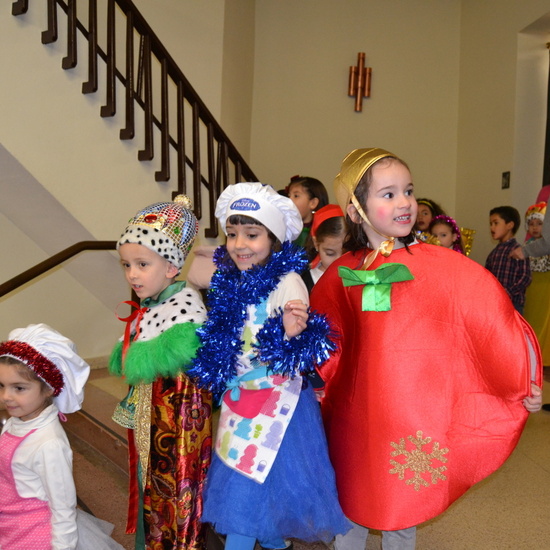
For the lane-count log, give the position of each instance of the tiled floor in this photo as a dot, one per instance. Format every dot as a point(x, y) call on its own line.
point(509, 510)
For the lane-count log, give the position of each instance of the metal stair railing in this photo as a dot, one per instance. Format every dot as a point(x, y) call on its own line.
point(55, 260)
point(210, 146)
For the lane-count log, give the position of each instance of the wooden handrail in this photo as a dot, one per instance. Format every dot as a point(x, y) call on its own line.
point(211, 150)
point(53, 261)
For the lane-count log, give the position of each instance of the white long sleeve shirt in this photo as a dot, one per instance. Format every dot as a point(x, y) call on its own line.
point(42, 468)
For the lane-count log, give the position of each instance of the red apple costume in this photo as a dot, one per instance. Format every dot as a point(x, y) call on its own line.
point(423, 396)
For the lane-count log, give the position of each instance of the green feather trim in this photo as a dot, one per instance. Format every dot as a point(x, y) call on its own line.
point(115, 360)
point(165, 356)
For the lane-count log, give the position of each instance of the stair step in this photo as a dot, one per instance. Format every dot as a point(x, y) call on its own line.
point(102, 488)
point(93, 424)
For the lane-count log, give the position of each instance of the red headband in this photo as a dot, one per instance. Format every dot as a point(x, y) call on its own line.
point(323, 214)
point(40, 365)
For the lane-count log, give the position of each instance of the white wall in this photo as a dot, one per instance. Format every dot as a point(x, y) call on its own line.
point(193, 34)
point(456, 91)
point(495, 122)
point(304, 122)
point(57, 136)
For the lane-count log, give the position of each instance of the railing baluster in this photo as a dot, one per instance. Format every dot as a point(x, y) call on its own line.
point(128, 131)
point(210, 154)
point(196, 163)
point(224, 167)
point(217, 150)
point(147, 152)
point(211, 171)
point(109, 109)
point(182, 176)
point(238, 172)
point(139, 84)
point(91, 85)
point(164, 173)
point(20, 7)
point(70, 61)
point(219, 183)
point(50, 34)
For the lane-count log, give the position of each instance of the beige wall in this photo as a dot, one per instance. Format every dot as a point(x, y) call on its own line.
point(238, 73)
point(304, 122)
point(193, 34)
point(458, 91)
point(499, 126)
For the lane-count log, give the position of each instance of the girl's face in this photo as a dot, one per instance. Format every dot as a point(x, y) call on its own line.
point(22, 398)
point(444, 234)
point(248, 245)
point(329, 248)
point(146, 271)
point(535, 228)
point(299, 195)
point(423, 218)
point(390, 204)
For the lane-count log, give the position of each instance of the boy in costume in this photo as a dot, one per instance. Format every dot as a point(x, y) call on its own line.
point(168, 417)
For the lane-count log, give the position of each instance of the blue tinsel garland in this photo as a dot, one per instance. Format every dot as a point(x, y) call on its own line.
point(297, 355)
point(231, 292)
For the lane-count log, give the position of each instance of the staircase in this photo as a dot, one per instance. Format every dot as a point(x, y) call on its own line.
point(100, 449)
point(191, 151)
point(156, 97)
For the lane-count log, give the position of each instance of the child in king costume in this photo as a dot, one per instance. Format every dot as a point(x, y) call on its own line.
point(168, 417)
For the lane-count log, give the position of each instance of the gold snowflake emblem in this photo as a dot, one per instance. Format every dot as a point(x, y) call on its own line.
point(419, 461)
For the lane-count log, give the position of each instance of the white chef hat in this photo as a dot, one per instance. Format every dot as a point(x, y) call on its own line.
point(261, 202)
point(53, 358)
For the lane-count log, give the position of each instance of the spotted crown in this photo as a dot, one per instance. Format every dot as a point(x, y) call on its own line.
point(167, 228)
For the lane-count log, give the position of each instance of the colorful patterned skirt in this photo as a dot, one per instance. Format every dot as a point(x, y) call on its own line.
point(181, 444)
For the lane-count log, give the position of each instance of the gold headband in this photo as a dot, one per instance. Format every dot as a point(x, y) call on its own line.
point(354, 167)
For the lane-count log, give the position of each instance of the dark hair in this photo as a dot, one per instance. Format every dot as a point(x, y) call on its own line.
point(331, 227)
point(356, 238)
point(435, 209)
point(449, 222)
point(315, 189)
point(508, 214)
point(240, 219)
point(28, 374)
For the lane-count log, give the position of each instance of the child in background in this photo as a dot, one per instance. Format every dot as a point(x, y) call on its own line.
point(417, 407)
point(41, 379)
point(325, 241)
point(447, 232)
point(268, 481)
point(537, 295)
point(167, 416)
point(309, 195)
point(427, 211)
point(514, 275)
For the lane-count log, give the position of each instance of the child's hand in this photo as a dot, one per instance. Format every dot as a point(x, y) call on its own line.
point(517, 253)
point(295, 317)
point(533, 402)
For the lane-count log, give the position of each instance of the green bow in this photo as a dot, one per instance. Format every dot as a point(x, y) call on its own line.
point(377, 290)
